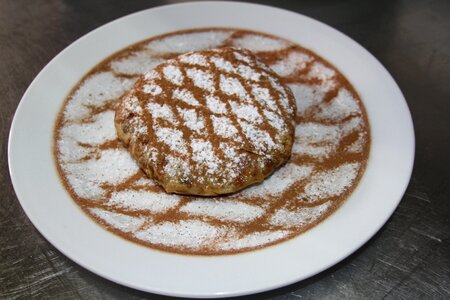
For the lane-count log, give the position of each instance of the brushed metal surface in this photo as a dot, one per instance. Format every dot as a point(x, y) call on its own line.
point(409, 258)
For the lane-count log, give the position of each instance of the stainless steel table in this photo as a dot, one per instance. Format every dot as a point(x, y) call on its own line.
point(410, 256)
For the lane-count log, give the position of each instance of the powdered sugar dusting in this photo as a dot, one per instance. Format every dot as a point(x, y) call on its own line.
point(177, 167)
point(120, 221)
point(70, 150)
point(258, 43)
point(152, 89)
point(203, 154)
point(145, 182)
point(189, 42)
point(330, 183)
point(88, 176)
point(316, 139)
point(223, 64)
point(95, 91)
point(279, 181)
point(223, 127)
point(192, 119)
point(190, 234)
point(295, 61)
point(254, 240)
point(173, 74)
point(135, 64)
point(319, 140)
point(185, 96)
point(194, 59)
point(320, 71)
point(307, 96)
point(232, 86)
point(143, 200)
point(172, 138)
point(275, 120)
point(283, 95)
point(260, 139)
point(248, 73)
point(152, 74)
point(215, 105)
point(301, 217)
point(246, 112)
point(243, 58)
point(262, 95)
point(132, 104)
point(340, 107)
point(162, 112)
point(99, 131)
point(201, 79)
point(223, 209)
point(357, 145)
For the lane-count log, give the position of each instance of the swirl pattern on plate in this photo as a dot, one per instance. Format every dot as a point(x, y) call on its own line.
point(329, 155)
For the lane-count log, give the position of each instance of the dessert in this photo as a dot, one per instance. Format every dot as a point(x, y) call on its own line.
point(329, 154)
point(208, 122)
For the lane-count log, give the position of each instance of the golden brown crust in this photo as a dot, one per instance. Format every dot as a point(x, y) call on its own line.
point(209, 122)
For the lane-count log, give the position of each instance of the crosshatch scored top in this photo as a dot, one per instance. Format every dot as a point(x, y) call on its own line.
point(210, 121)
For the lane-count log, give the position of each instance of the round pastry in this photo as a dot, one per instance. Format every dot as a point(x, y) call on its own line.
point(208, 122)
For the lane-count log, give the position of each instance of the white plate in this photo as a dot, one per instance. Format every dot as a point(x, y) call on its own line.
point(59, 219)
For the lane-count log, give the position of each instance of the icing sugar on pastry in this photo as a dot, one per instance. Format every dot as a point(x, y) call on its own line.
point(195, 110)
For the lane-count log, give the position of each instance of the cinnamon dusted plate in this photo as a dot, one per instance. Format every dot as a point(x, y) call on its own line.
point(348, 107)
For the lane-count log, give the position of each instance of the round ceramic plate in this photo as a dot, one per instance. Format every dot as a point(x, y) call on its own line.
point(71, 231)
